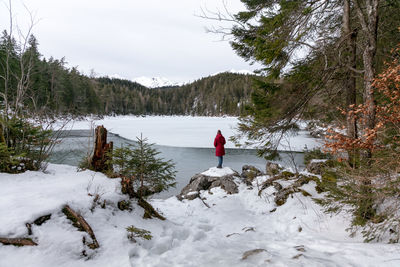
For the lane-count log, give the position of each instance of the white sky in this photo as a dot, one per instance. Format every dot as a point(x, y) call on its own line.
point(130, 38)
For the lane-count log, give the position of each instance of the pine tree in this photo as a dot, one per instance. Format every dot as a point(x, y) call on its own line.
point(139, 162)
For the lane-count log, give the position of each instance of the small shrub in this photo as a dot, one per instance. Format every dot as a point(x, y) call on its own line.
point(139, 164)
point(24, 145)
point(134, 232)
point(8, 161)
point(84, 164)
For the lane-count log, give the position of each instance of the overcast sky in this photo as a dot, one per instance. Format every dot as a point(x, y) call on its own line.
point(130, 38)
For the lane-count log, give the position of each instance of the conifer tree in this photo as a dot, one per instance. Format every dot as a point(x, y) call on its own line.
point(140, 163)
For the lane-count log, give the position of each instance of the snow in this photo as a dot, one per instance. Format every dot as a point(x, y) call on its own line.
point(185, 131)
point(296, 234)
point(218, 172)
point(155, 82)
point(318, 160)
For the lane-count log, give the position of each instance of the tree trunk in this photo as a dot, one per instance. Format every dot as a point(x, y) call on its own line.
point(102, 151)
point(2, 139)
point(368, 17)
point(350, 79)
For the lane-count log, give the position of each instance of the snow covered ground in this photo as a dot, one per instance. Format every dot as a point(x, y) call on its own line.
point(183, 131)
point(237, 230)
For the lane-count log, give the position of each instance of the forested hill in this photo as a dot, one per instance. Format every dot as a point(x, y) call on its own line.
point(52, 88)
point(224, 93)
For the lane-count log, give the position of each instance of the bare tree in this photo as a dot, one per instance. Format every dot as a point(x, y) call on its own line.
point(25, 64)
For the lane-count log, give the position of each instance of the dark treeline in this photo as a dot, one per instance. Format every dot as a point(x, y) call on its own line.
point(225, 93)
point(53, 88)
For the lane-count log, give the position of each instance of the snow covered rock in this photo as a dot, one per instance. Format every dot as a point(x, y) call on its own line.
point(211, 178)
point(286, 184)
point(250, 172)
point(316, 166)
point(273, 168)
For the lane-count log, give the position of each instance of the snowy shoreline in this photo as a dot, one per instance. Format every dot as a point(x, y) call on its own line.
point(297, 233)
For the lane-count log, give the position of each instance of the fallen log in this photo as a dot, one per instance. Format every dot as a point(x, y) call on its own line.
point(79, 222)
point(39, 221)
point(42, 219)
point(19, 242)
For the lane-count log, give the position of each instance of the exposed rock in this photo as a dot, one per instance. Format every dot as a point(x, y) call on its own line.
point(273, 168)
point(300, 248)
point(192, 195)
point(124, 205)
point(228, 184)
point(250, 172)
point(197, 183)
point(204, 182)
point(315, 131)
point(277, 186)
point(271, 181)
point(282, 195)
point(268, 183)
point(317, 166)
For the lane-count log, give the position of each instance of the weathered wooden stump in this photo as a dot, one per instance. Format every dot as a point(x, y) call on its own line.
point(102, 151)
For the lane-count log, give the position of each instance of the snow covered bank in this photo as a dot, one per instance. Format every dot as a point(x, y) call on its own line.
point(237, 230)
point(184, 131)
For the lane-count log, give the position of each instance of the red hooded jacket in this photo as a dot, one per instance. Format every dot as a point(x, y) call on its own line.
point(219, 143)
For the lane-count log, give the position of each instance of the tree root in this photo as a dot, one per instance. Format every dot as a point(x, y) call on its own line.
point(149, 211)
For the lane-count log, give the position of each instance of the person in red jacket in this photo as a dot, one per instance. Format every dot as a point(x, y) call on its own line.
point(219, 143)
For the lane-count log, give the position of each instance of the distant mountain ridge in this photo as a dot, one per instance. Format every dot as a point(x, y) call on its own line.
point(222, 94)
point(155, 82)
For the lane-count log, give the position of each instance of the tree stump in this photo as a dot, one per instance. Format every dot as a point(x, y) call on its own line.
point(102, 151)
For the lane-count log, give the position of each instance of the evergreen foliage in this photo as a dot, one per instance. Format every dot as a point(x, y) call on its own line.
point(134, 232)
point(316, 85)
point(54, 89)
point(139, 163)
point(346, 44)
point(23, 145)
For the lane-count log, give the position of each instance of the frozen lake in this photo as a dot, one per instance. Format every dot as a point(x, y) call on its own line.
point(183, 131)
point(189, 160)
point(186, 140)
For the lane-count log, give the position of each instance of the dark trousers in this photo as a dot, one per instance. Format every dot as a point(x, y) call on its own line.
point(220, 159)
